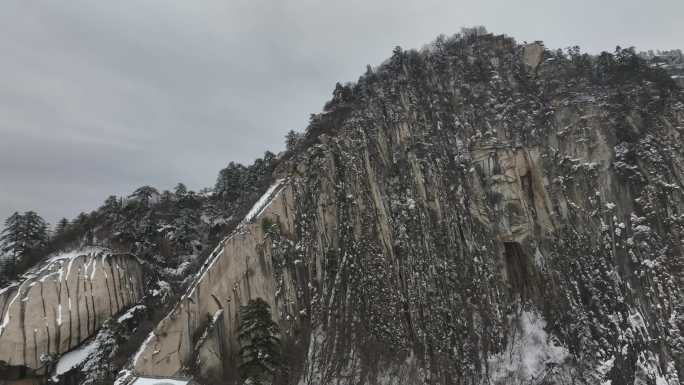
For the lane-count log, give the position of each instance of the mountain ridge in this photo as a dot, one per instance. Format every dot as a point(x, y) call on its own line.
point(372, 180)
point(453, 206)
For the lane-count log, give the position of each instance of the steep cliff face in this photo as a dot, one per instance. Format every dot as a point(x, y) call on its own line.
point(239, 269)
point(479, 212)
point(63, 302)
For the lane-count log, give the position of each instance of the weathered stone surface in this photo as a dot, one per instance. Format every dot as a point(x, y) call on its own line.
point(533, 54)
point(239, 270)
point(462, 206)
point(63, 302)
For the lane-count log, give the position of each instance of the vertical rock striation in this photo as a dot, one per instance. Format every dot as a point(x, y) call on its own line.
point(62, 302)
point(239, 269)
point(478, 212)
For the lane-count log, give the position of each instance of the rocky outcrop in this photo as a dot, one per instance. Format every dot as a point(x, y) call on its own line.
point(239, 269)
point(533, 54)
point(456, 218)
point(63, 302)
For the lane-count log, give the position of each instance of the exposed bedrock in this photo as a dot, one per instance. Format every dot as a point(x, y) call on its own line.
point(63, 302)
point(509, 232)
point(241, 268)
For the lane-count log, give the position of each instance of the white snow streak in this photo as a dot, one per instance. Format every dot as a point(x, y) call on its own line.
point(6, 319)
point(129, 314)
point(159, 381)
point(261, 204)
point(254, 212)
point(53, 267)
point(143, 347)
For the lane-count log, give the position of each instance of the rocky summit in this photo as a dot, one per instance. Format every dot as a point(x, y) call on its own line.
point(479, 211)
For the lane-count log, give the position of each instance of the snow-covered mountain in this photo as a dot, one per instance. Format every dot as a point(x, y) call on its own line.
point(477, 212)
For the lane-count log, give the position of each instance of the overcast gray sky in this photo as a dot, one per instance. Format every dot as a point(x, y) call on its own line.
point(100, 97)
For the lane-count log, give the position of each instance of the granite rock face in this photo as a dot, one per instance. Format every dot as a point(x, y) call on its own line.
point(239, 269)
point(456, 218)
point(63, 302)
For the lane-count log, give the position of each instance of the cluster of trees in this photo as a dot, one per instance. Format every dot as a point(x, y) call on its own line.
point(172, 231)
point(621, 67)
point(24, 237)
point(167, 227)
point(237, 183)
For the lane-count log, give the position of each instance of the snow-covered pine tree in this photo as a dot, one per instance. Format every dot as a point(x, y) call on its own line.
point(186, 232)
point(23, 234)
point(291, 140)
point(228, 186)
point(111, 205)
point(35, 231)
point(145, 195)
point(180, 190)
point(9, 239)
point(11, 235)
point(260, 346)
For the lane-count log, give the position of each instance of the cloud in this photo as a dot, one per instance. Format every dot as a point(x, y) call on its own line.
point(97, 98)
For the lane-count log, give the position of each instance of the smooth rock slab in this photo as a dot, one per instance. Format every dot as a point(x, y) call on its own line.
point(64, 301)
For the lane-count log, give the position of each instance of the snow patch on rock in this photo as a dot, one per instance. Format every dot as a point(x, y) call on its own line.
point(261, 204)
point(530, 351)
point(130, 313)
point(159, 381)
point(74, 358)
